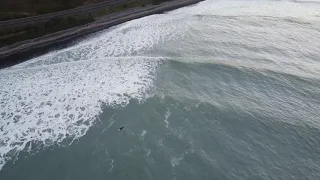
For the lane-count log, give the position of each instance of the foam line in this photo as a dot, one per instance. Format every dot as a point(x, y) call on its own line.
point(59, 95)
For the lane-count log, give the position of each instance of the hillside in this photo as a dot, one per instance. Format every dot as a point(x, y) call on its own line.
point(21, 31)
point(23, 8)
point(13, 9)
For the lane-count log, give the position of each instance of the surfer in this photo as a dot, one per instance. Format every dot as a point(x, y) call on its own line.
point(121, 128)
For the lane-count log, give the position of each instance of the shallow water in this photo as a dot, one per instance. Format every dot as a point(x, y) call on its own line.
point(218, 90)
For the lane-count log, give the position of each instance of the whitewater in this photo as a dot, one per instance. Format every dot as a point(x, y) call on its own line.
point(229, 86)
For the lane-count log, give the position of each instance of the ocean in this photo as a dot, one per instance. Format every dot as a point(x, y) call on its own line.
point(219, 90)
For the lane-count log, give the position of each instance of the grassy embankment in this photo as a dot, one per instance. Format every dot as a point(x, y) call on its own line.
point(24, 8)
point(12, 9)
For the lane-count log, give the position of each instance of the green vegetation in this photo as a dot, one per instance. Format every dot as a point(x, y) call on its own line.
point(130, 4)
point(14, 9)
point(159, 1)
point(12, 35)
point(11, 9)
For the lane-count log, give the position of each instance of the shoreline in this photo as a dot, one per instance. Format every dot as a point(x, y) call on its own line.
point(20, 51)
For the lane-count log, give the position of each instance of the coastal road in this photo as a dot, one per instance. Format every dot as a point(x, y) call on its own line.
point(70, 12)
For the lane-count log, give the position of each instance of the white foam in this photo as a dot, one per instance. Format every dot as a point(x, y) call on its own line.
point(59, 95)
point(266, 8)
point(132, 38)
point(49, 103)
point(143, 134)
point(166, 116)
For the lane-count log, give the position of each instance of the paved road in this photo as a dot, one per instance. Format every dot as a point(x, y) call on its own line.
point(79, 10)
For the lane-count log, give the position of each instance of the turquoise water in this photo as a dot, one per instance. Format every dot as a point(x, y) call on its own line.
point(218, 90)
